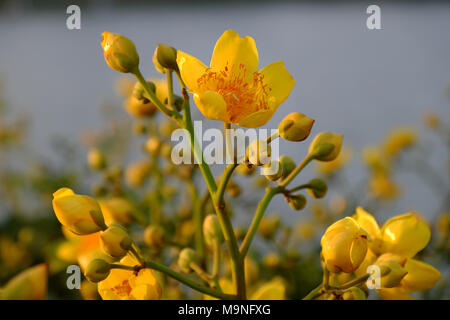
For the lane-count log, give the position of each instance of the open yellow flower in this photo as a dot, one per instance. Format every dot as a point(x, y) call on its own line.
point(402, 237)
point(232, 89)
point(126, 285)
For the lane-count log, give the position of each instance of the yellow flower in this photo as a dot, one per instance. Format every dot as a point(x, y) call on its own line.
point(400, 239)
point(30, 284)
point(331, 167)
point(137, 172)
point(376, 160)
point(344, 246)
point(120, 52)
point(80, 214)
point(232, 89)
point(399, 139)
point(383, 187)
point(126, 285)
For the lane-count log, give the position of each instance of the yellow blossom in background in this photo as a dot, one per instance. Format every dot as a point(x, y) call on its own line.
point(30, 284)
point(383, 187)
point(232, 89)
point(126, 285)
point(137, 172)
point(306, 230)
point(140, 108)
point(331, 167)
point(124, 86)
point(376, 160)
point(399, 139)
point(117, 209)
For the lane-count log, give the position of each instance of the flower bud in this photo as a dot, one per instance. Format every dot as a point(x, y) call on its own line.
point(186, 257)
point(139, 108)
point(89, 290)
point(258, 152)
point(234, 189)
point(97, 270)
point(273, 170)
point(156, 63)
point(268, 226)
point(153, 145)
point(326, 146)
point(115, 240)
point(80, 214)
point(139, 91)
point(154, 236)
point(317, 188)
point(96, 159)
point(120, 52)
point(394, 275)
point(344, 246)
point(295, 127)
point(354, 293)
point(245, 170)
point(287, 165)
point(212, 230)
point(137, 172)
point(166, 56)
point(297, 201)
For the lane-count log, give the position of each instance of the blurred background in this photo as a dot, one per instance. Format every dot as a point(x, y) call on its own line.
point(57, 93)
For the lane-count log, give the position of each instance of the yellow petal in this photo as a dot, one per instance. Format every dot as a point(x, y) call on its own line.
point(232, 50)
point(394, 294)
point(190, 68)
point(420, 276)
point(256, 119)
point(279, 82)
point(405, 235)
point(370, 225)
point(212, 105)
point(273, 290)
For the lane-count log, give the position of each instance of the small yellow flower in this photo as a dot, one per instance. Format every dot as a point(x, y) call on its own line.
point(120, 52)
point(137, 172)
point(399, 139)
point(383, 187)
point(344, 246)
point(232, 89)
point(126, 285)
point(143, 107)
point(30, 284)
point(79, 213)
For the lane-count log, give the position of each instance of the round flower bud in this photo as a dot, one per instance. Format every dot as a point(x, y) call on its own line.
point(153, 145)
point(139, 108)
point(186, 257)
point(297, 201)
point(115, 240)
point(354, 293)
point(139, 91)
point(166, 56)
point(97, 270)
point(120, 52)
point(244, 170)
point(326, 146)
point(154, 236)
point(96, 159)
point(295, 127)
point(234, 189)
point(344, 246)
point(273, 170)
point(287, 165)
point(211, 229)
point(137, 172)
point(317, 188)
point(268, 226)
point(258, 152)
point(80, 214)
point(156, 63)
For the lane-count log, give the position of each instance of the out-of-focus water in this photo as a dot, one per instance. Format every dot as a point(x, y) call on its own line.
point(350, 79)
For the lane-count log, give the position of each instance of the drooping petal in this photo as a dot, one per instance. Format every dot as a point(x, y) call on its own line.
point(394, 294)
point(212, 105)
point(190, 69)
point(279, 83)
point(232, 50)
point(420, 276)
point(405, 235)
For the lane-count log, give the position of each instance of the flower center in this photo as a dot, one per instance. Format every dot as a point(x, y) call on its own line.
point(122, 289)
point(243, 94)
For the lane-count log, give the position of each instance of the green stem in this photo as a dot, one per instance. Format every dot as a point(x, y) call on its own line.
point(296, 171)
point(227, 173)
point(198, 220)
point(314, 293)
point(352, 283)
point(187, 281)
point(169, 88)
point(216, 259)
point(153, 98)
point(262, 206)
